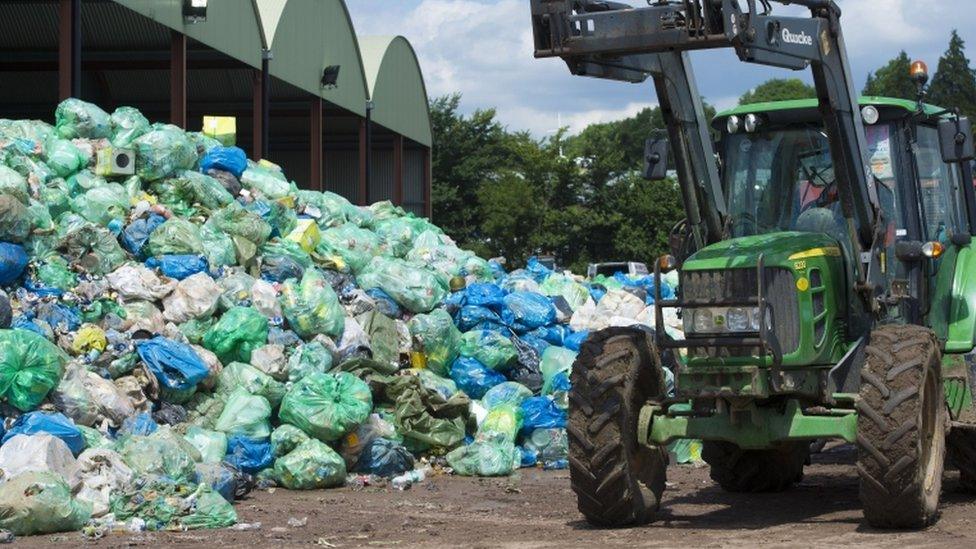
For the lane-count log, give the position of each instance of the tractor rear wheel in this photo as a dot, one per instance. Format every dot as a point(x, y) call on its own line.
point(771, 470)
point(901, 428)
point(961, 452)
point(617, 481)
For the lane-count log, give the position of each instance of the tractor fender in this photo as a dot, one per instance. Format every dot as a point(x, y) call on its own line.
point(961, 333)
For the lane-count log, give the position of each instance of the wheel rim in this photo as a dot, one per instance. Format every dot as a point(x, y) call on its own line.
point(929, 425)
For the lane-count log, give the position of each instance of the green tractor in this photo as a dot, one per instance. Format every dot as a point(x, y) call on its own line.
point(824, 273)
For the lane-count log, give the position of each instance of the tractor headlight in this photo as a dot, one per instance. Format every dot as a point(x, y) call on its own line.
point(738, 319)
point(721, 320)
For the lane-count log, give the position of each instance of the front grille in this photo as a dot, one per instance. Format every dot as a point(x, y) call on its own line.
point(779, 291)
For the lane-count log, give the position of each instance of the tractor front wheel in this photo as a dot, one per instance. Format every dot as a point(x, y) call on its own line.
point(617, 481)
point(770, 470)
point(901, 428)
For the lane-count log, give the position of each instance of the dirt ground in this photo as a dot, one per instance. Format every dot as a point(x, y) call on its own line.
point(537, 509)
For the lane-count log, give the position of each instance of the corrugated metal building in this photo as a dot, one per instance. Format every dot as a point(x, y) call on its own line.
point(265, 62)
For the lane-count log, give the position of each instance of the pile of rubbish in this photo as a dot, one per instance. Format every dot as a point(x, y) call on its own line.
point(176, 335)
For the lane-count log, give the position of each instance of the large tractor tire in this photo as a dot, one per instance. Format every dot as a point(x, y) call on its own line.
point(901, 428)
point(961, 452)
point(617, 481)
point(770, 470)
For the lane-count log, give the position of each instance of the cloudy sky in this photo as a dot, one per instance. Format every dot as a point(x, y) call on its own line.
point(483, 48)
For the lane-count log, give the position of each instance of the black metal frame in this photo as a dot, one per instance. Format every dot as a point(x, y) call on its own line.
point(760, 339)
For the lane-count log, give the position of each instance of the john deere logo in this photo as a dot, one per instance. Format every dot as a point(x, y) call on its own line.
point(801, 39)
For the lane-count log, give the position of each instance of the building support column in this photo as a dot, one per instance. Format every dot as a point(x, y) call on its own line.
point(257, 116)
point(398, 169)
point(363, 195)
point(315, 144)
point(177, 80)
point(428, 207)
point(69, 49)
point(265, 102)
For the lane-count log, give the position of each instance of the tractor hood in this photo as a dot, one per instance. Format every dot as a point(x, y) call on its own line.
point(778, 250)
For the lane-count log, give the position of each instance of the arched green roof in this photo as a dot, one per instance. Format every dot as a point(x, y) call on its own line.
point(310, 36)
point(396, 86)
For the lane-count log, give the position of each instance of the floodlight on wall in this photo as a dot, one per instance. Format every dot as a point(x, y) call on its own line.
point(330, 76)
point(194, 11)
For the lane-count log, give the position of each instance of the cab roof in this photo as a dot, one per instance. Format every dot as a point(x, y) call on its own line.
point(812, 103)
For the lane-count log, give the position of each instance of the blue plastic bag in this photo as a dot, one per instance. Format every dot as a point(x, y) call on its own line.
point(59, 316)
point(228, 159)
point(540, 345)
point(541, 412)
point(248, 454)
point(52, 423)
point(174, 364)
point(384, 303)
point(137, 233)
point(13, 261)
point(385, 458)
point(141, 424)
point(472, 317)
point(538, 271)
point(575, 340)
point(473, 377)
point(530, 310)
point(179, 266)
point(280, 268)
point(597, 291)
point(529, 457)
point(219, 477)
point(553, 335)
point(485, 295)
point(22, 322)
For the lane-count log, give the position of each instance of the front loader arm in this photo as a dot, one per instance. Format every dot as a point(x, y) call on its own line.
point(613, 41)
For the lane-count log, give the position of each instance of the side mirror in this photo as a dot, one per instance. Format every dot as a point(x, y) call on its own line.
point(656, 158)
point(956, 140)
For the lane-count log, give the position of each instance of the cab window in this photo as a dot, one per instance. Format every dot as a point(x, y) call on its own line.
point(938, 186)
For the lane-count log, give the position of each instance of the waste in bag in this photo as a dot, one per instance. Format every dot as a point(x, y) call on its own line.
point(490, 348)
point(312, 306)
point(485, 459)
point(286, 438)
point(52, 423)
point(413, 288)
point(248, 454)
point(384, 458)
point(311, 465)
point(97, 475)
point(163, 453)
point(327, 406)
point(35, 452)
point(245, 415)
point(238, 332)
point(438, 338)
point(175, 365)
point(13, 261)
point(30, 366)
point(212, 445)
point(40, 503)
point(473, 377)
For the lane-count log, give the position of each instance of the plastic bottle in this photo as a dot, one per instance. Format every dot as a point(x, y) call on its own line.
point(408, 479)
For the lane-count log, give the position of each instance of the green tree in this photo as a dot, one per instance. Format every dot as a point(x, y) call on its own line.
point(954, 84)
point(778, 89)
point(893, 79)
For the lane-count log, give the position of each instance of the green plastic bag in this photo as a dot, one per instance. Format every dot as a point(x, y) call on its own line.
point(397, 235)
point(290, 249)
point(212, 445)
point(162, 453)
point(94, 249)
point(103, 204)
point(282, 219)
point(162, 152)
point(40, 219)
point(94, 439)
point(211, 511)
point(286, 438)
point(63, 157)
point(501, 425)
point(202, 189)
point(238, 332)
point(356, 246)
point(40, 503)
point(83, 181)
point(128, 124)
point(15, 221)
point(245, 415)
point(76, 118)
point(312, 306)
point(484, 459)
point(383, 340)
point(312, 465)
point(267, 179)
point(14, 184)
point(54, 195)
point(555, 360)
point(312, 357)
point(30, 366)
point(490, 348)
point(218, 247)
point(238, 375)
point(195, 328)
point(331, 206)
point(509, 393)
point(327, 406)
point(175, 236)
point(438, 338)
point(561, 285)
point(248, 231)
point(414, 288)
point(447, 260)
point(424, 416)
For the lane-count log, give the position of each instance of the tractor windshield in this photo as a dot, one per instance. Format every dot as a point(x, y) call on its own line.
point(783, 180)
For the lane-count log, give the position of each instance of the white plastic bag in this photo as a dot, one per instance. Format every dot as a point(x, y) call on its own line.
point(194, 297)
point(271, 360)
point(135, 281)
point(264, 297)
point(40, 453)
point(96, 475)
point(88, 399)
